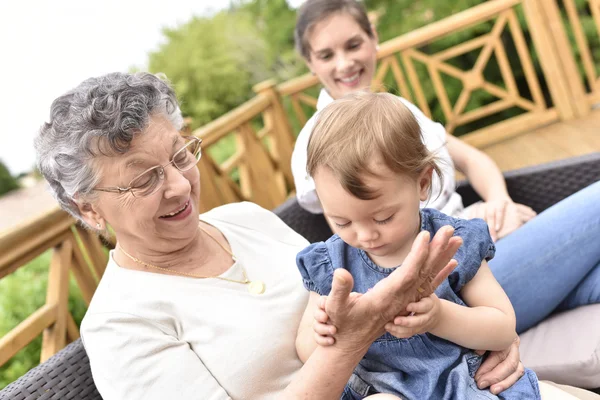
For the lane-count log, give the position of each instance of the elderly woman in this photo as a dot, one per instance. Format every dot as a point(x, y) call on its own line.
point(199, 306)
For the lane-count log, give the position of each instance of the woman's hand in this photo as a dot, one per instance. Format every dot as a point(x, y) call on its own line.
point(503, 216)
point(360, 318)
point(424, 316)
point(501, 369)
point(493, 212)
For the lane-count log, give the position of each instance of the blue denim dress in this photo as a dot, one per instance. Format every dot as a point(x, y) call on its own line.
point(423, 366)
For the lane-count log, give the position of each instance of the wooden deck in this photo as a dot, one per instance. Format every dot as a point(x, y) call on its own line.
point(553, 142)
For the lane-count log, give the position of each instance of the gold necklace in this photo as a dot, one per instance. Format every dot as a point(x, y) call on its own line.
point(254, 287)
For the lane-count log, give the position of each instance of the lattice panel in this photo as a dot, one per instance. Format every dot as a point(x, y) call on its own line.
point(490, 45)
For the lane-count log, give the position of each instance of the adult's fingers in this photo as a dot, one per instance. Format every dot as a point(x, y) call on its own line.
point(499, 366)
point(340, 290)
point(443, 262)
point(508, 381)
point(525, 212)
point(407, 276)
point(490, 218)
point(437, 257)
point(444, 273)
point(499, 217)
point(488, 365)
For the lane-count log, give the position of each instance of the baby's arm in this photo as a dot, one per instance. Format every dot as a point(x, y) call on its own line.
point(306, 341)
point(489, 320)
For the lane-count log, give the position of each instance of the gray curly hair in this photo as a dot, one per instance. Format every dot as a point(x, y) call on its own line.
point(101, 116)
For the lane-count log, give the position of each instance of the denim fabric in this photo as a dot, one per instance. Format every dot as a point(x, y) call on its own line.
point(422, 366)
point(553, 261)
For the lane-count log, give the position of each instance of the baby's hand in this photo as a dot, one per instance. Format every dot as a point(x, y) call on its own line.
point(323, 330)
point(424, 316)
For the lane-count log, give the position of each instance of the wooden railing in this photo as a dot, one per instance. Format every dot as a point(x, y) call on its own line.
point(74, 250)
point(575, 16)
point(408, 66)
point(259, 169)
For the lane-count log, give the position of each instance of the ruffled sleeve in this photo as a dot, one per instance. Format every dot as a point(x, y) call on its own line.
point(316, 268)
point(477, 246)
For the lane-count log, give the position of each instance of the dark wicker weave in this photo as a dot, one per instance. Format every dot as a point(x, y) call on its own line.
point(67, 375)
point(64, 376)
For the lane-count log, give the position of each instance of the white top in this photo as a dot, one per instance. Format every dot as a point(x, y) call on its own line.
point(153, 336)
point(434, 137)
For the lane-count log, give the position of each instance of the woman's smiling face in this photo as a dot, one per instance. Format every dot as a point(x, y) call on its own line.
point(170, 213)
point(342, 55)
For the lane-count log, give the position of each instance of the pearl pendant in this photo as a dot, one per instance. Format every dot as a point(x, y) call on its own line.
point(256, 287)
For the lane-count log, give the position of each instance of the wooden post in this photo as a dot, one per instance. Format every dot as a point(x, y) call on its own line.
point(282, 131)
point(556, 58)
point(55, 336)
point(83, 273)
point(94, 249)
point(564, 51)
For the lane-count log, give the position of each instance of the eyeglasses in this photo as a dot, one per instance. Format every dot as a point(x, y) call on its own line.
point(149, 181)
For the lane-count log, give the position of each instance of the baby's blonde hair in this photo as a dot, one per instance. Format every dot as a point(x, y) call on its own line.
point(360, 128)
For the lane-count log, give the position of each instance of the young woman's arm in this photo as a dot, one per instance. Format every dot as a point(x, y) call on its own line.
point(489, 320)
point(481, 171)
point(498, 210)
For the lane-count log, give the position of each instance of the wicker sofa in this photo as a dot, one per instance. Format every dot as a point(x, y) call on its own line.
point(67, 375)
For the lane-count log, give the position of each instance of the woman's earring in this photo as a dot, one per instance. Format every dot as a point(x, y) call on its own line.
point(377, 47)
point(98, 226)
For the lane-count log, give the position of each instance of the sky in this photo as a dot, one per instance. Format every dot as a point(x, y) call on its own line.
point(48, 47)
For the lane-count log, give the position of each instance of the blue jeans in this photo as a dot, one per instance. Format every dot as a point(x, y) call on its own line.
point(553, 261)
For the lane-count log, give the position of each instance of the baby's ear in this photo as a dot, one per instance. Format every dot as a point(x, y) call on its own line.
point(425, 183)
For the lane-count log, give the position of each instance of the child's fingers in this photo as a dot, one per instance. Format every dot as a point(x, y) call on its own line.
point(412, 321)
point(321, 316)
point(322, 302)
point(324, 329)
point(324, 340)
point(421, 307)
point(398, 331)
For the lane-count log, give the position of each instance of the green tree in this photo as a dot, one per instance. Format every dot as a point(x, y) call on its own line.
point(7, 181)
point(212, 63)
point(275, 21)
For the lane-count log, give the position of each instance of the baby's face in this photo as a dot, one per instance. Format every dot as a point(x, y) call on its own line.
point(384, 227)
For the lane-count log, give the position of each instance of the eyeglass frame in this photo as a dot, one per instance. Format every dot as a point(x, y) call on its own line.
point(118, 189)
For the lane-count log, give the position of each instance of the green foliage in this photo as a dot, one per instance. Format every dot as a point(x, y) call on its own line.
point(7, 181)
point(21, 293)
point(275, 21)
point(212, 63)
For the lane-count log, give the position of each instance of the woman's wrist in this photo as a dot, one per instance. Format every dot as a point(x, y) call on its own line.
point(498, 195)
